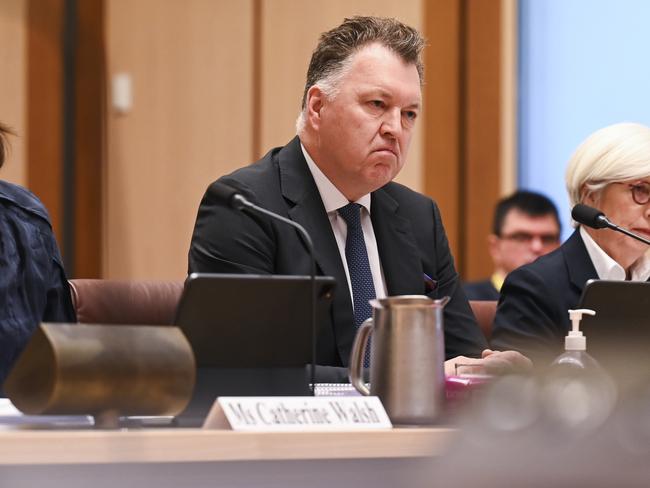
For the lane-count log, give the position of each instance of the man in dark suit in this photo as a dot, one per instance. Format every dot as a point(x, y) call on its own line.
point(360, 105)
point(525, 226)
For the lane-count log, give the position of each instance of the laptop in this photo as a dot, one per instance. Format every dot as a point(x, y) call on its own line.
point(251, 335)
point(619, 333)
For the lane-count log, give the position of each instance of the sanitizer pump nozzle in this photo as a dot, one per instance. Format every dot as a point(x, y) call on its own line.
point(575, 345)
point(575, 340)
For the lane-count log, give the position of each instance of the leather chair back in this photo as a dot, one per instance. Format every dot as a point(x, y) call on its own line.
point(484, 311)
point(154, 303)
point(125, 302)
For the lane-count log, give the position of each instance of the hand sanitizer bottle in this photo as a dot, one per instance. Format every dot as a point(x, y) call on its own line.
point(575, 345)
point(580, 394)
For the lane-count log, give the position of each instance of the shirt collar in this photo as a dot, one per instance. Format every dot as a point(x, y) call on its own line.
point(332, 197)
point(497, 280)
point(607, 268)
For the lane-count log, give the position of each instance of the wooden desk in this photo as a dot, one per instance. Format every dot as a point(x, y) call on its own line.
point(189, 458)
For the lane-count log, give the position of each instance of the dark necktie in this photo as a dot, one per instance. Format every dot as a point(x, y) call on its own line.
point(356, 256)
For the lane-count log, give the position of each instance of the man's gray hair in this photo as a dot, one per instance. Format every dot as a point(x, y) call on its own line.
point(332, 57)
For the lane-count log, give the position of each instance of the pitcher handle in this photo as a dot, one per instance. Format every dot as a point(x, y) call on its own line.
point(441, 302)
point(356, 358)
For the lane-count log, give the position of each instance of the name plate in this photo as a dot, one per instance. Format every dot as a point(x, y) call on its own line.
point(270, 414)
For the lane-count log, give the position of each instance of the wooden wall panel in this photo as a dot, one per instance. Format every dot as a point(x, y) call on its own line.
point(290, 31)
point(89, 117)
point(509, 95)
point(470, 126)
point(32, 33)
point(191, 64)
point(44, 106)
point(13, 60)
point(442, 116)
point(482, 132)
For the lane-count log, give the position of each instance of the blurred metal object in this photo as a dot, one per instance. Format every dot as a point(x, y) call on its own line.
point(104, 371)
point(407, 362)
point(566, 428)
point(580, 400)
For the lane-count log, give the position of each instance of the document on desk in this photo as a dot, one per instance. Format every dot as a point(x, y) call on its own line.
point(336, 389)
point(12, 418)
point(272, 414)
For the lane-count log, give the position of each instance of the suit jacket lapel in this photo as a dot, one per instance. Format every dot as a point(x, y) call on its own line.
point(398, 252)
point(578, 261)
point(306, 208)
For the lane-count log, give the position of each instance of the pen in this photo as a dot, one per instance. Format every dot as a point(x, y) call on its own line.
point(429, 283)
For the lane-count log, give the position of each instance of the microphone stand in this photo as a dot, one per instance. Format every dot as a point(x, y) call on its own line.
point(243, 203)
point(594, 218)
point(615, 227)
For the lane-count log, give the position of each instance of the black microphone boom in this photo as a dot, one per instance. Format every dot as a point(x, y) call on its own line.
point(594, 218)
point(231, 197)
point(227, 195)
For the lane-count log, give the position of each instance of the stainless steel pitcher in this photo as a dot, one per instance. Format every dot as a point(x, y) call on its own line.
point(407, 357)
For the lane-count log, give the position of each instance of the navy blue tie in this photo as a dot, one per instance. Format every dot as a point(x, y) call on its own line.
point(356, 255)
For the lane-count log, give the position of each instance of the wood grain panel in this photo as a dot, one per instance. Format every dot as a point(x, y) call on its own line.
point(43, 447)
point(509, 95)
point(470, 124)
point(44, 107)
point(191, 64)
point(256, 75)
point(13, 59)
point(442, 115)
point(89, 138)
point(43, 104)
point(290, 31)
point(483, 133)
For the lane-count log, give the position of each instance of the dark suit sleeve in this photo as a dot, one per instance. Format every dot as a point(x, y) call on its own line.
point(530, 317)
point(231, 241)
point(463, 337)
point(58, 305)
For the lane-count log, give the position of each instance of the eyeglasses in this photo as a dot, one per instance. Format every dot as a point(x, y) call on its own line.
point(640, 193)
point(527, 238)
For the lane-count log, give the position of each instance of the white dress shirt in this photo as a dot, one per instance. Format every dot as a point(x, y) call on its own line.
point(333, 199)
point(607, 268)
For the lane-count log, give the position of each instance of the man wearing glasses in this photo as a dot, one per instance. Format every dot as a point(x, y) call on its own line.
point(610, 171)
point(526, 226)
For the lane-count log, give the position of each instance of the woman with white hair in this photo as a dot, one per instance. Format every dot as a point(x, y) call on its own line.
point(610, 170)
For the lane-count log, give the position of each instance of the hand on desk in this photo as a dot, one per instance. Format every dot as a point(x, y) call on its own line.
point(491, 362)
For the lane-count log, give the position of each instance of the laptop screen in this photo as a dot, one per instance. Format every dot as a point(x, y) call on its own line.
point(620, 330)
point(243, 321)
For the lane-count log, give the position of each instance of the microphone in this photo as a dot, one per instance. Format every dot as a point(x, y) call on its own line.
point(594, 218)
point(229, 196)
point(590, 216)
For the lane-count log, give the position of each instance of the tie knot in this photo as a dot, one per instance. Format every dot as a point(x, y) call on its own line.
point(351, 213)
